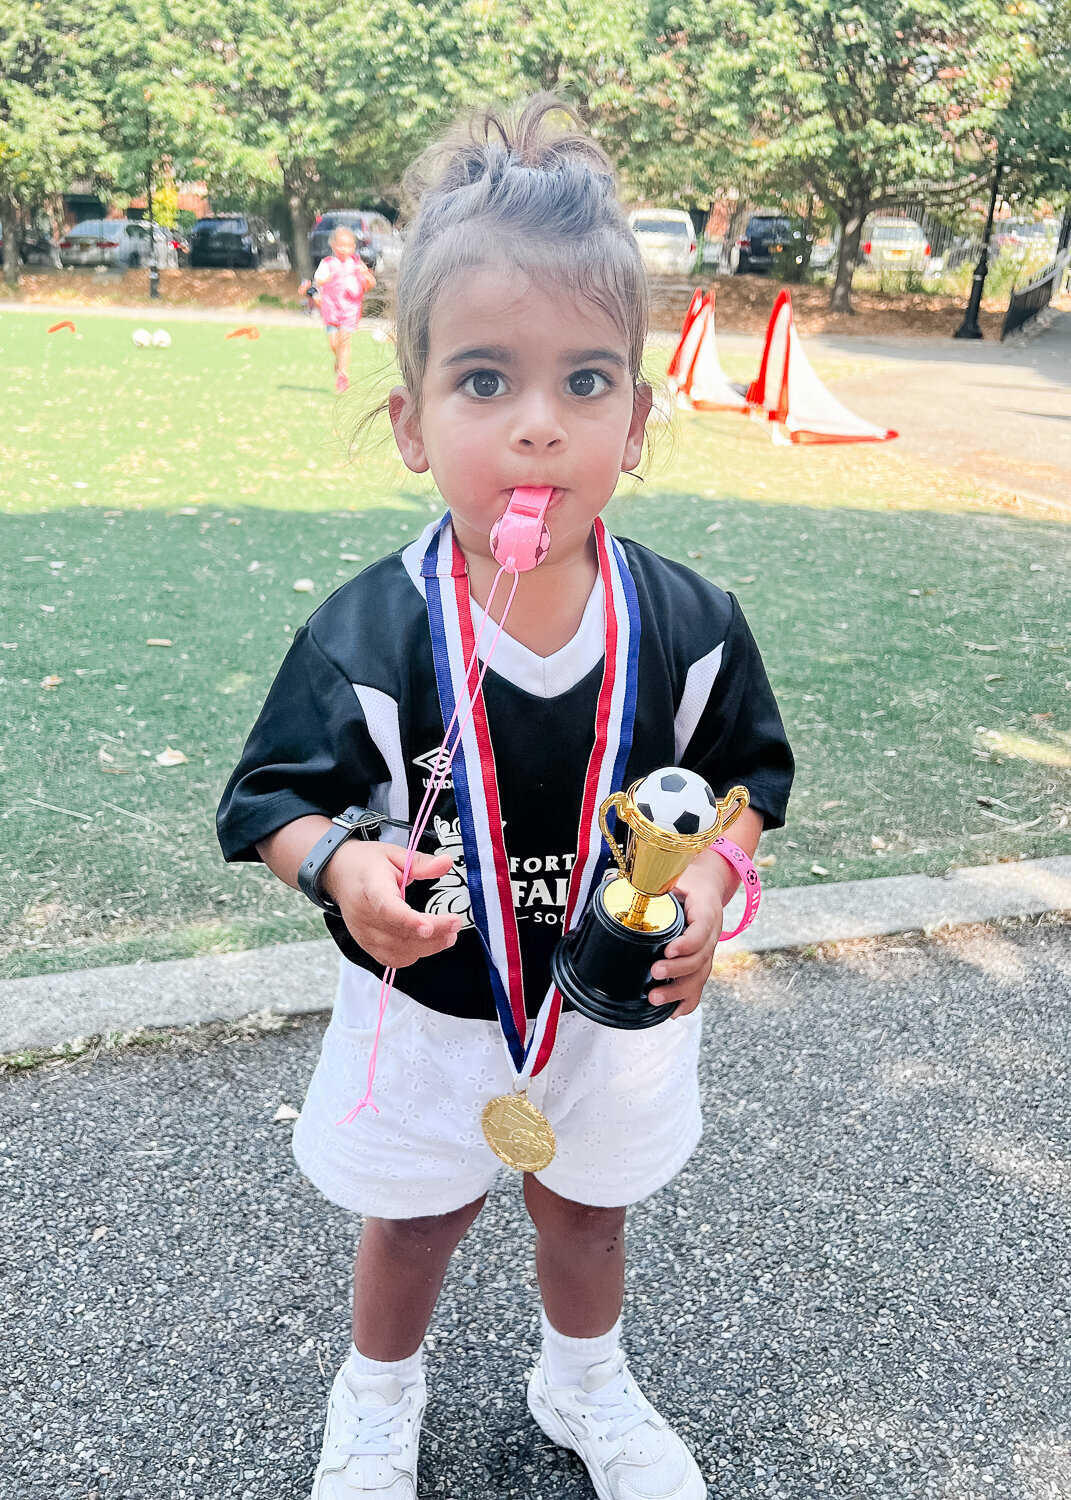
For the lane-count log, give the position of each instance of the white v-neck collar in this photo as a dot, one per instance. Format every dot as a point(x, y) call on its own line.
point(542, 676)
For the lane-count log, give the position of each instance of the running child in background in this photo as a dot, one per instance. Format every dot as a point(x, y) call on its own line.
point(341, 278)
point(521, 319)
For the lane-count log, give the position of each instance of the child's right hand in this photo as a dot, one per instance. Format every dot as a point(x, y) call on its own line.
point(365, 880)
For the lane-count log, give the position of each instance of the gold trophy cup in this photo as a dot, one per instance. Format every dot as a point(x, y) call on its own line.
point(603, 967)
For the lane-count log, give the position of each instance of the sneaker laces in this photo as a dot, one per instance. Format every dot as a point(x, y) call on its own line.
point(376, 1428)
point(618, 1404)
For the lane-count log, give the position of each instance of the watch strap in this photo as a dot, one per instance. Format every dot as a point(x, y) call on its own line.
point(361, 822)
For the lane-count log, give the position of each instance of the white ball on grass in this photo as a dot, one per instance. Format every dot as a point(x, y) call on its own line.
point(141, 338)
point(678, 801)
point(161, 339)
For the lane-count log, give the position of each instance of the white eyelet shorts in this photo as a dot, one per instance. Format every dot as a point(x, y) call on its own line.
point(624, 1106)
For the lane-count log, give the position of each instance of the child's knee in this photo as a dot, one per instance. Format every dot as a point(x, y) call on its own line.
point(579, 1223)
point(432, 1231)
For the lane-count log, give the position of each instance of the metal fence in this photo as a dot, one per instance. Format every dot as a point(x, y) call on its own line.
point(1028, 302)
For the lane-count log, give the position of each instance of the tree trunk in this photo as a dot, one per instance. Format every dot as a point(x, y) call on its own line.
point(9, 221)
point(851, 229)
point(297, 203)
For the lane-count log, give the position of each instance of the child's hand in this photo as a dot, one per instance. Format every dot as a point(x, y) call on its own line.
point(688, 958)
point(365, 880)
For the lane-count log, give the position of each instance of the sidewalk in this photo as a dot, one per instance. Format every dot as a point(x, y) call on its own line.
point(299, 978)
point(857, 1287)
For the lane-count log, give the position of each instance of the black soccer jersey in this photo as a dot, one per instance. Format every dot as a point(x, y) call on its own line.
point(353, 717)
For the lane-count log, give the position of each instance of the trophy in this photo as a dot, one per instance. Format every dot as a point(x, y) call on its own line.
point(603, 967)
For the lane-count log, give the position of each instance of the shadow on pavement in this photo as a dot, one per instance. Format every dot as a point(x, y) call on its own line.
point(858, 1285)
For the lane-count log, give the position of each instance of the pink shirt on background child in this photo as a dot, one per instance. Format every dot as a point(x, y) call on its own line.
point(342, 287)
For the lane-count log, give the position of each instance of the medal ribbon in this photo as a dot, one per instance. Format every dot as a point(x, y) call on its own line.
point(476, 784)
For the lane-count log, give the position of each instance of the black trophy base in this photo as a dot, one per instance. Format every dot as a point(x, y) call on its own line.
point(604, 968)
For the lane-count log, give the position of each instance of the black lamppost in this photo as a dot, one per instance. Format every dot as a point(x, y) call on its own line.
point(969, 328)
point(154, 274)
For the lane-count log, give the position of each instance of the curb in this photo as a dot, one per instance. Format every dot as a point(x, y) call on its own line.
point(299, 978)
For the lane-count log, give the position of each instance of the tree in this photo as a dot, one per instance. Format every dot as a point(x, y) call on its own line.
point(161, 77)
point(1033, 133)
point(858, 104)
point(336, 92)
point(49, 125)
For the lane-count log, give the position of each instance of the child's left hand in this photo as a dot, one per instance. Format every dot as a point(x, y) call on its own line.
point(688, 958)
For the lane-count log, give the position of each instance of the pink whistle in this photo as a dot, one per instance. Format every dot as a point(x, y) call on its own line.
point(519, 538)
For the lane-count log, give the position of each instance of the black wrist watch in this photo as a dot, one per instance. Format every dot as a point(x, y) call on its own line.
point(361, 822)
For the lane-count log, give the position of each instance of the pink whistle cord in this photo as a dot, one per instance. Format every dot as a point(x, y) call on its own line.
point(444, 759)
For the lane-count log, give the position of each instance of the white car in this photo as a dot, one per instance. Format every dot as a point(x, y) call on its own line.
point(116, 242)
point(667, 240)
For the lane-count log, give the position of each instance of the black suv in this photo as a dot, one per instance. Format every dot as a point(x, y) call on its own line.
point(769, 240)
point(236, 240)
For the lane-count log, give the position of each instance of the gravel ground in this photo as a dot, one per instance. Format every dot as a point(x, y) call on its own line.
point(859, 1287)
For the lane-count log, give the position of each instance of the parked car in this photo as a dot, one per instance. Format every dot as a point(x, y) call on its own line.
point(766, 240)
point(116, 242)
point(1026, 240)
point(36, 247)
point(667, 240)
point(894, 244)
point(237, 240)
point(378, 242)
point(824, 252)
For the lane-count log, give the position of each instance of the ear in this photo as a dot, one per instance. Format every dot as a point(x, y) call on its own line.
point(405, 420)
point(642, 399)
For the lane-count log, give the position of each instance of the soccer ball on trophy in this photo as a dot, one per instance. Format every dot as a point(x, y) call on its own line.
point(141, 338)
point(678, 801)
point(603, 965)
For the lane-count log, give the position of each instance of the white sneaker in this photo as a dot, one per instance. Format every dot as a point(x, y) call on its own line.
point(630, 1451)
point(371, 1439)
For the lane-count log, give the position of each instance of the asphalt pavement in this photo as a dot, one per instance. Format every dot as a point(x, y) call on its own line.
point(998, 413)
point(860, 1285)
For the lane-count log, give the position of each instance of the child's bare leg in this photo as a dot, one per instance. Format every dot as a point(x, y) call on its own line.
point(398, 1276)
point(332, 339)
point(342, 354)
point(580, 1261)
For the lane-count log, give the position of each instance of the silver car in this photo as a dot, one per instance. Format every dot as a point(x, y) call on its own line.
point(667, 240)
point(893, 244)
point(123, 243)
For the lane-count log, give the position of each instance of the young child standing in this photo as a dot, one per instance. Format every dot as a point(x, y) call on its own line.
point(521, 321)
point(342, 278)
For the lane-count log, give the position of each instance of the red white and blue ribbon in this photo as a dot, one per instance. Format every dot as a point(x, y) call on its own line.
point(476, 784)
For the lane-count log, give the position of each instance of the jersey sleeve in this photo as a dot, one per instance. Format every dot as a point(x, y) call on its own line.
point(739, 738)
point(310, 751)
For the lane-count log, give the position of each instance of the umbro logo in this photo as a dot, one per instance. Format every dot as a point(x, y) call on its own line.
point(426, 763)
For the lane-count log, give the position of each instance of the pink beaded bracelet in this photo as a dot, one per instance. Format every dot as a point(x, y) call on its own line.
point(749, 877)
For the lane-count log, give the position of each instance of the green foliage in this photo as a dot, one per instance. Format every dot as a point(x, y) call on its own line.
point(48, 123)
point(855, 103)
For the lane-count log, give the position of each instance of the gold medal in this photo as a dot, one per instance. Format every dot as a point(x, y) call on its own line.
point(519, 1133)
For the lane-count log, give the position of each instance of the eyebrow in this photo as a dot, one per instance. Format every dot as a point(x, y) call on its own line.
point(496, 353)
point(499, 354)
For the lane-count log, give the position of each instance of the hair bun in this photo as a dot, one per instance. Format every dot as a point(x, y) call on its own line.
point(492, 141)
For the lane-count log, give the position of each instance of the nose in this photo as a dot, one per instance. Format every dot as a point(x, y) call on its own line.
point(537, 426)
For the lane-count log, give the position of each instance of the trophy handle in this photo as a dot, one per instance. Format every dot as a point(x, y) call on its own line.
point(618, 802)
point(731, 806)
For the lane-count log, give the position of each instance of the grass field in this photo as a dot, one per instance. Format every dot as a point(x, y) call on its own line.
point(918, 636)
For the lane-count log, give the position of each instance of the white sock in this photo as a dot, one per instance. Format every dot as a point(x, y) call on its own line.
point(405, 1371)
point(566, 1361)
